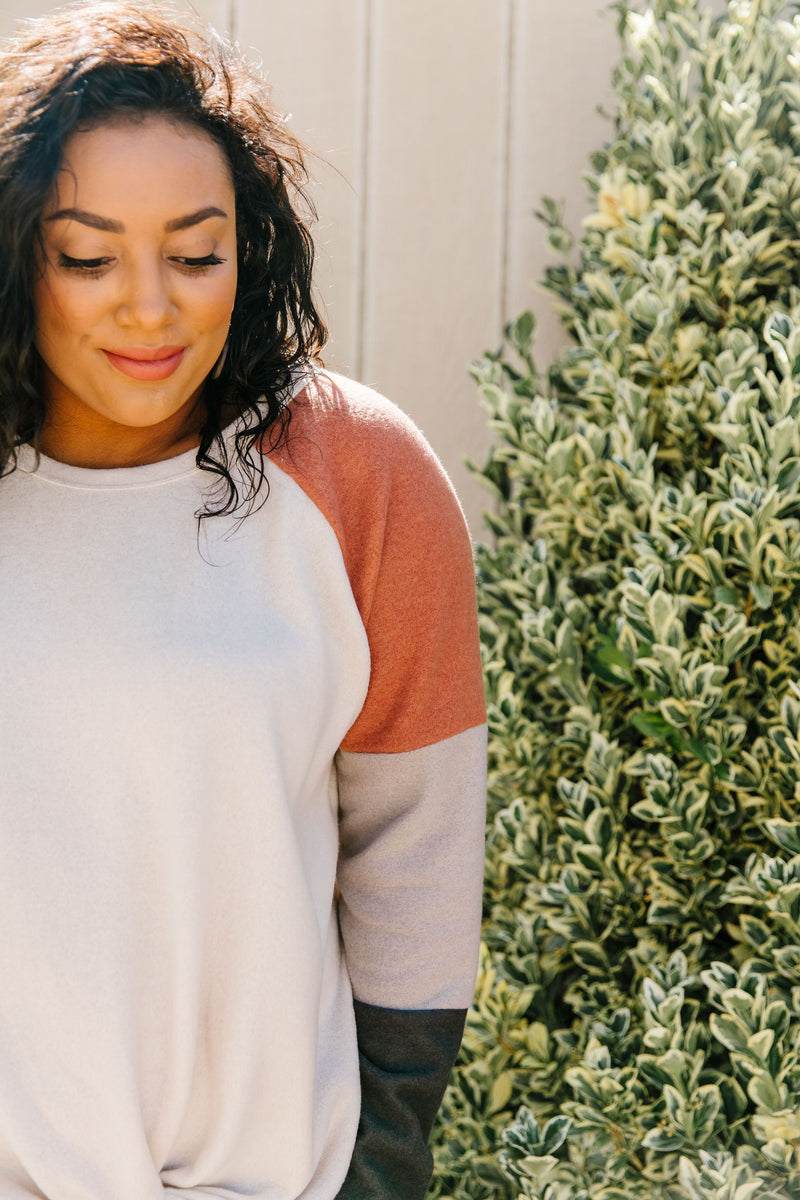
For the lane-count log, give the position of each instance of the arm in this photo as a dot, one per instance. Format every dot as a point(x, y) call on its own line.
point(405, 1059)
point(412, 799)
point(411, 770)
point(411, 868)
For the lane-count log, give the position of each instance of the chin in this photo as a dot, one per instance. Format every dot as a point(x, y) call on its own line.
point(141, 412)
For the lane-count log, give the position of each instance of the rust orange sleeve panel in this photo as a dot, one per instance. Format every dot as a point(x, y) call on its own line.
point(408, 556)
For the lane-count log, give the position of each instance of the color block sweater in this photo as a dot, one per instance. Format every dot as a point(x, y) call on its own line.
point(200, 736)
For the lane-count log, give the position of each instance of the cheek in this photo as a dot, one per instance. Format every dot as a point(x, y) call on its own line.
point(215, 306)
point(217, 291)
point(64, 310)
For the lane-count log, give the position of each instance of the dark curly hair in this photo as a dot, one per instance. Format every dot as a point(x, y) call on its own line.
point(96, 60)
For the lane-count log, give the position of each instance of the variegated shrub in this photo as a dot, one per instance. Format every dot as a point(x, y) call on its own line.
point(637, 1026)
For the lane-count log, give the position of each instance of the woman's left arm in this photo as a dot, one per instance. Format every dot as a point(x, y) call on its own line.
point(410, 874)
point(412, 799)
point(411, 770)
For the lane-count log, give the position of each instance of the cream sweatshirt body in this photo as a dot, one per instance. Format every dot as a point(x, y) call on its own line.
point(200, 734)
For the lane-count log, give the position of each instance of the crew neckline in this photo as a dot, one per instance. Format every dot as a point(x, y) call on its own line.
point(165, 470)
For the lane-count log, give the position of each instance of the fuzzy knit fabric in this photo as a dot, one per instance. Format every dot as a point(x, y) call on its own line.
point(241, 837)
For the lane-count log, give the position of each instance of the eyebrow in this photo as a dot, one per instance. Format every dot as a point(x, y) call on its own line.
point(108, 226)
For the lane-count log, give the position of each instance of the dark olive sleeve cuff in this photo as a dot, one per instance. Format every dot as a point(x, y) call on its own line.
point(405, 1060)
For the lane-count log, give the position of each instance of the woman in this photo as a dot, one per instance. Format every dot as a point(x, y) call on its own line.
point(242, 755)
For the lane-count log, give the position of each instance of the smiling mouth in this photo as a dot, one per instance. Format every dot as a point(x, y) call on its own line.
point(148, 364)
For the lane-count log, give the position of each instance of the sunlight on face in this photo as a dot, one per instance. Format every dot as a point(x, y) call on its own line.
point(134, 296)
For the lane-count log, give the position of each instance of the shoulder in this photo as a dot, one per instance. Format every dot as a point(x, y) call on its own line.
point(355, 426)
point(328, 395)
point(373, 476)
point(365, 463)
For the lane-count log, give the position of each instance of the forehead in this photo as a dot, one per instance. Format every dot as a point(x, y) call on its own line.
point(142, 165)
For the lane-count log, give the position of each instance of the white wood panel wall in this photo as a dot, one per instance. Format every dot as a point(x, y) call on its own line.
point(437, 125)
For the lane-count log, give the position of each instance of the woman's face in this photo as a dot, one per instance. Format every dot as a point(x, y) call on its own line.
point(134, 296)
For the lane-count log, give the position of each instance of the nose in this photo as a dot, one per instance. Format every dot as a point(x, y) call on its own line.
point(146, 301)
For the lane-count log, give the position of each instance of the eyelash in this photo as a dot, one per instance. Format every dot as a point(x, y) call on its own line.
point(93, 267)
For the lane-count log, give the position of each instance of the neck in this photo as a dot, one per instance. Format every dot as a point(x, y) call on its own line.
point(76, 434)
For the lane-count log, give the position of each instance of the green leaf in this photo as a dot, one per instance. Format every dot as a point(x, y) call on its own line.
point(764, 1092)
point(760, 1044)
point(652, 725)
point(521, 331)
point(661, 1139)
point(591, 957)
point(728, 596)
point(762, 595)
point(500, 1093)
point(610, 665)
point(785, 833)
point(756, 932)
point(789, 474)
point(703, 751)
point(555, 1134)
point(729, 1030)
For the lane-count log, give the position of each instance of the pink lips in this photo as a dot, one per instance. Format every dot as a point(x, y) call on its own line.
point(143, 362)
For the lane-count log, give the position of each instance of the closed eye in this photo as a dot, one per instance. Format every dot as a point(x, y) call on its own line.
point(88, 266)
point(199, 264)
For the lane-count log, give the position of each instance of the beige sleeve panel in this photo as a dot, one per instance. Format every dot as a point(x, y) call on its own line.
point(412, 829)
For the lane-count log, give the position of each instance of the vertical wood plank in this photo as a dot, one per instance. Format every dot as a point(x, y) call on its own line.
point(435, 217)
point(14, 11)
point(312, 55)
point(562, 61)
